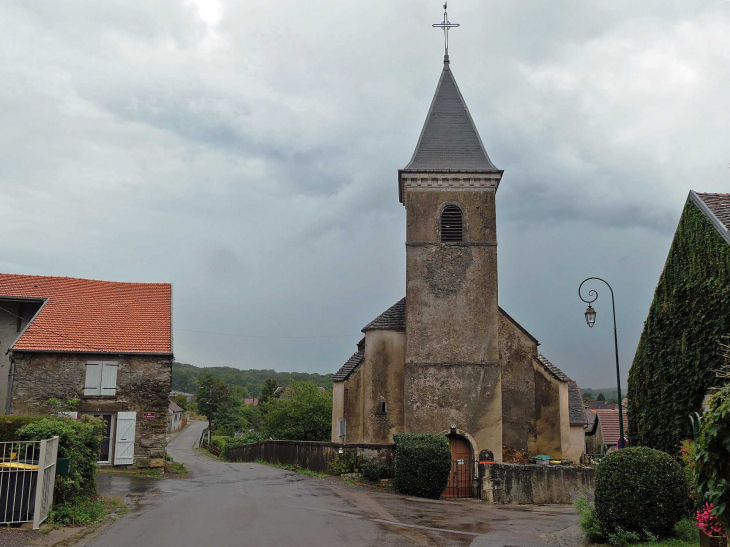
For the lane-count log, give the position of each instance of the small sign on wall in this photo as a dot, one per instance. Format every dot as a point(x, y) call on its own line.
point(149, 415)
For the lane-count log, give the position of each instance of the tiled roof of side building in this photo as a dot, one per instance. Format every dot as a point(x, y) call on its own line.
point(608, 419)
point(719, 204)
point(349, 367)
point(552, 369)
point(84, 315)
point(449, 140)
point(394, 318)
point(575, 405)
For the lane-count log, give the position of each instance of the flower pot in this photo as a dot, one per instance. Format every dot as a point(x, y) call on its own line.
point(707, 540)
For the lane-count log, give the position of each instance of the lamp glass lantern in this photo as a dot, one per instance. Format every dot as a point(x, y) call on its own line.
point(590, 316)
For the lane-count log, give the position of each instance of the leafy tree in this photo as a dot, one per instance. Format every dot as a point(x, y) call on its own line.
point(213, 396)
point(182, 401)
point(305, 414)
point(587, 397)
point(600, 397)
point(267, 392)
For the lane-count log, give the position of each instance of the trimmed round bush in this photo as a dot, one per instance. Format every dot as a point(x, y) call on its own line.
point(640, 490)
point(422, 464)
point(374, 471)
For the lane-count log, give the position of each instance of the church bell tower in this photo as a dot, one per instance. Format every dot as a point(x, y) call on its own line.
point(452, 371)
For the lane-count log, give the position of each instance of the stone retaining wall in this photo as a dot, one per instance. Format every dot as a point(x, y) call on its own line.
point(316, 456)
point(535, 484)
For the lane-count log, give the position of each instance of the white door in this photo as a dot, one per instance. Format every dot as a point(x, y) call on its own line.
point(124, 443)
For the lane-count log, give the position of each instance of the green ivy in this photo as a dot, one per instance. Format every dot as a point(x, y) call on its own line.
point(422, 464)
point(712, 455)
point(679, 348)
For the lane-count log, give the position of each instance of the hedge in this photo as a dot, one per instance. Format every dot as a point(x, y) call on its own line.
point(640, 490)
point(10, 425)
point(678, 350)
point(422, 464)
point(79, 440)
point(712, 454)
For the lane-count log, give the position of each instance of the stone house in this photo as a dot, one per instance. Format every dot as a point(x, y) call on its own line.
point(107, 344)
point(602, 431)
point(175, 417)
point(446, 358)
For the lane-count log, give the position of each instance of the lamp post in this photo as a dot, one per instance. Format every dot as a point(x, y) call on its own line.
point(591, 320)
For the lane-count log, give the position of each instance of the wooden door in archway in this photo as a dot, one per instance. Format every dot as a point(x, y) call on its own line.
point(462, 469)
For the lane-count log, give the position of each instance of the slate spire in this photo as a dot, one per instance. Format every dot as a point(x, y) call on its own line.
point(449, 139)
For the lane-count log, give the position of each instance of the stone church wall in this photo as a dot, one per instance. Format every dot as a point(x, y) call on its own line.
point(451, 288)
point(352, 406)
point(552, 424)
point(516, 353)
point(466, 396)
point(143, 385)
point(383, 379)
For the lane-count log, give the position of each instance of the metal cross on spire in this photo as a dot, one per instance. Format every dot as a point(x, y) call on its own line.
point(446, 25)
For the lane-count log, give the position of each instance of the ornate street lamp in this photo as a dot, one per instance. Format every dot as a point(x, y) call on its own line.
point(591, 320)
point(590, 316)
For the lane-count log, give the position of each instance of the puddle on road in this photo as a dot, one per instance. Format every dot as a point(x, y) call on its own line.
point(120, 484)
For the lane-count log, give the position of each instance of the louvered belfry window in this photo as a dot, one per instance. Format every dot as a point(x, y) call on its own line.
point(452, 226)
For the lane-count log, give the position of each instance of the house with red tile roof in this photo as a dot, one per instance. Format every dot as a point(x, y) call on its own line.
point(106, 344)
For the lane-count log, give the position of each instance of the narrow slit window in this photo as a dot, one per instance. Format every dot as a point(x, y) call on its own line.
point(381, 408)
point(452, 225)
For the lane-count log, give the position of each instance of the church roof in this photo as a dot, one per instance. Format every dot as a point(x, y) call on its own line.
point(552, 369)
point(394, 318)
point(575, 405)
point(349, 367)
point(449, 139)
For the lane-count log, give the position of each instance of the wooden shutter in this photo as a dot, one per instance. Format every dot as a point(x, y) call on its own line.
point(124, 442)
point(92, 383)
point(109, 378)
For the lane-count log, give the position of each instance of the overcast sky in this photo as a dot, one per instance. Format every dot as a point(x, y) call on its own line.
point(247, 152)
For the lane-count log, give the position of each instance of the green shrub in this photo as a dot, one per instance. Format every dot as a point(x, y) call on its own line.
point(712, 474)
point(10, 425)
point(375, 471)
point(622, 538)
point(346, 462)
point(588, 521)
point(640, 490)
point(422, 464)
point(79, 440)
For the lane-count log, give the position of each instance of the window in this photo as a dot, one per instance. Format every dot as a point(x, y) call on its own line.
point(101, 378)
point(381, 407)
point(451, 224)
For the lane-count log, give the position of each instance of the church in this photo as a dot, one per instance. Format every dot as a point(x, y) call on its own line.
point(447, 358)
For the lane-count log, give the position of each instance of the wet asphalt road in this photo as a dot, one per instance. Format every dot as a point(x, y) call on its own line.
point(239, 504)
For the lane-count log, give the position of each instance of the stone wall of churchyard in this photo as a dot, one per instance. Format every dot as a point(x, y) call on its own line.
point(143, 386)
point(535, 484)
point(317, 456)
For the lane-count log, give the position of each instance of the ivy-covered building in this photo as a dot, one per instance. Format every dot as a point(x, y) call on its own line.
point(688, 319)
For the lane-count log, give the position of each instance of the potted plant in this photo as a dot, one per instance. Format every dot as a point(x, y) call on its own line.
point(711, 532)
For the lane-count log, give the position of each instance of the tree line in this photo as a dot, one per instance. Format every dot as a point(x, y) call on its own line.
point(186, 378)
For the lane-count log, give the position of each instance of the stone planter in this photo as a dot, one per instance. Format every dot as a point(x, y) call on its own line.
point(707, 540)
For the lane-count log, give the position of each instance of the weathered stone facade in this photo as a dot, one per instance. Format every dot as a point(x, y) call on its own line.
point(143, 385)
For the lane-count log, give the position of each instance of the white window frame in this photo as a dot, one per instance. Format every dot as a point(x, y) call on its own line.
point(104, 376)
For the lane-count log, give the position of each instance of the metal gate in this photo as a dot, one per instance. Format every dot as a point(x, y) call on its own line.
point(27, 478)
point(463, 481)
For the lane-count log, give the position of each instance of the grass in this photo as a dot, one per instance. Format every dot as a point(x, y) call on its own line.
point(84, 512)
point(146, 472)
point(686, 534)
point(176, 469)
point(294, 468)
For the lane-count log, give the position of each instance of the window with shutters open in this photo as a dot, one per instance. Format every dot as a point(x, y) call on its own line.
point(452, 224)
point(101, 378)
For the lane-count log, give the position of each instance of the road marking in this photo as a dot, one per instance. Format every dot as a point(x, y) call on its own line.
point(426, 527)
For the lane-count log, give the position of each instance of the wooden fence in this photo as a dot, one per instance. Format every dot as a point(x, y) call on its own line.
point(316, 456)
